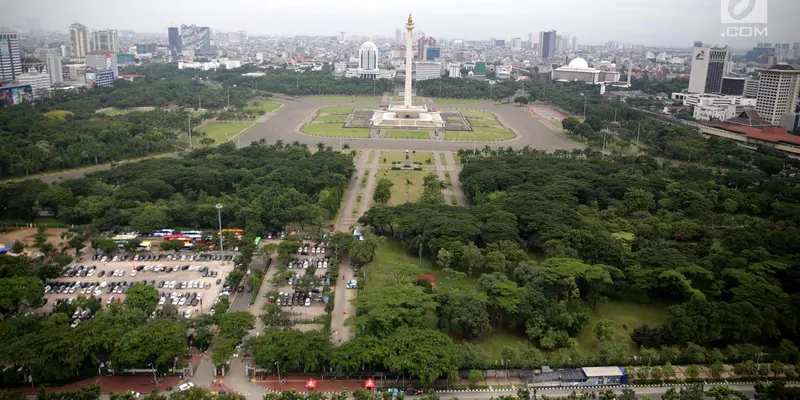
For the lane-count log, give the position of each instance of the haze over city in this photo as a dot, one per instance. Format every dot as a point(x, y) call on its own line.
point(652, 22)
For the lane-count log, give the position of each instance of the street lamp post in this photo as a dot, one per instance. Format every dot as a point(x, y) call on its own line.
point(219, 216)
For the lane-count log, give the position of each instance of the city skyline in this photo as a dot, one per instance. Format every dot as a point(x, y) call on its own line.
point(654, 23)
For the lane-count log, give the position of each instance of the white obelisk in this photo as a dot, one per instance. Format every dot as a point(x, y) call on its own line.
point(409, 60)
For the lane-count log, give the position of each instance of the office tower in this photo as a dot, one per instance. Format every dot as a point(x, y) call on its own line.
point(105, 40)
point(397, 36)
point(196, 38)
point(39, 81)
point(516, 43)
point(54, 69)
point(10, 59)
point(342, 37)
point(368, 61)
point(432, 53)
point(548, 44)
point(174, 40)
point(78, 40)
point(574, 43)
point(422, 44)
point(709, 65)
point(530, 40)
point(243, 40)
point(778, 88)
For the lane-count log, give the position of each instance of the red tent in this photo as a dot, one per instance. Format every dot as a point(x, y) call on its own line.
point(311, 384)
point(369, 384)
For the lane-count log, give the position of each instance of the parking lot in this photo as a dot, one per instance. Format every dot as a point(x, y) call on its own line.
point(301, 291)
point(192, 282)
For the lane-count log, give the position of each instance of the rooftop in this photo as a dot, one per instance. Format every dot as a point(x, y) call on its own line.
point(591, 372)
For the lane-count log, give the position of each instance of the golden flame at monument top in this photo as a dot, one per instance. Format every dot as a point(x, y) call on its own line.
point(409, 19)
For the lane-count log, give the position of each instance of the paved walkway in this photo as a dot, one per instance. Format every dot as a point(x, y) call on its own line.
point(346, 218)
point(455, 170)
point(372, 181)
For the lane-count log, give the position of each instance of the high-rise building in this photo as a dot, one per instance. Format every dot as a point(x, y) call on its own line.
point(530, 40)
point(427, 70)
point(709, 66)
point(433, 53)
point(243, 40)
point(174, 40)
point(516, 43)
point(342, 37)
point(751, 87)
point(547, 44)
point(397, 36)
point(778, 88)
point(368, 61)
point(54, 69)
point(106, 40)
point(196, 38)
point(10, 59)
point(574, 43)
point(39, 81)
point(422, 44)
point(78, 40)
point(454, 70)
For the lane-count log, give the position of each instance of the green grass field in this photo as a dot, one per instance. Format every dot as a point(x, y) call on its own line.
point(336, 110)
point(443, 159)
point(331, 118)
point(484, 134)
point(348, 99)
point(390, 253)
point(399, 195)
point(372, 154)
point(622, 313)
point(221, 132)
point(263, 106)
point(557, 124)
point(407, 135)
point(400, 156)
point(474, 113)
point(112, 112)
point(484, 122)
point(445, 100)
point(334, 130)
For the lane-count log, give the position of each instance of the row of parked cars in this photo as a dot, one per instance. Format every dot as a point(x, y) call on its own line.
point(304, 264)
point(199, 257)
point(294, 299)
point(186, 285)
point(181, 299)
point(314, 249)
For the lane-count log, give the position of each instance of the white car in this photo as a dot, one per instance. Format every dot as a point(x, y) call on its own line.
point(188, 314)
point(133, 273)
point(182, 301)
point(308, 302)
point(162, 301)
point(186, 386)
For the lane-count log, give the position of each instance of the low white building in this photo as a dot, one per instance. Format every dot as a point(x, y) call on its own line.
point(427, 70)
point(503, 72)
point(709, 107)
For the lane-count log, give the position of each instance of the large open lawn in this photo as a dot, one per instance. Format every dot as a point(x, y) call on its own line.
point(407, 135)
point(349, 99)
point(221, 132)
point(336, 110)
point(484, 122)
point(474, 113)
point(402, 193)
point(112, 112)
point(390, 253)
point(445, 100)
point(263, 106)
point(400, 156)
point(334, 130)
point(484, 134)
point(331, 118)
point(622, 313)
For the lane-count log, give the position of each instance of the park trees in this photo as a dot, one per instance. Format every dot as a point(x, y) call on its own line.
point(142, 297)
point(382, 312)
point(463, 311)
point(383, 191)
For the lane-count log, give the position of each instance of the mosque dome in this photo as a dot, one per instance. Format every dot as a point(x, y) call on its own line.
point(579, 63)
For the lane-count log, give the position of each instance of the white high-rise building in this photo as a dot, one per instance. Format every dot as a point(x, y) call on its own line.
point(454, 70)
point(709, 65)
point(243, 40)
point(54, 69)
point(397, 36)
point(342, 37)
point(516, 44)
point(78, 40)
point(778, 88)
point(10, 59)
point(105, 40)
point(368, 61)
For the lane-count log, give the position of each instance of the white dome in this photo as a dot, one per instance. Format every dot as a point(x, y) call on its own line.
point(579, 63)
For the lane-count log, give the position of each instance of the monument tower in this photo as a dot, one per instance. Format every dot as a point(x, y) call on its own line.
point(407, 115)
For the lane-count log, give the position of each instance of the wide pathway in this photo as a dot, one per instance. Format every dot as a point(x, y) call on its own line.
point(453, 170)
point(346, 217)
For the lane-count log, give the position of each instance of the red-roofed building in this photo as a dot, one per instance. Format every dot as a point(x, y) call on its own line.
point(757, 131)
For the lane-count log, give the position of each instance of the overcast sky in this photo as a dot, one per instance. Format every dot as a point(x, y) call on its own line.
point(650, 22)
